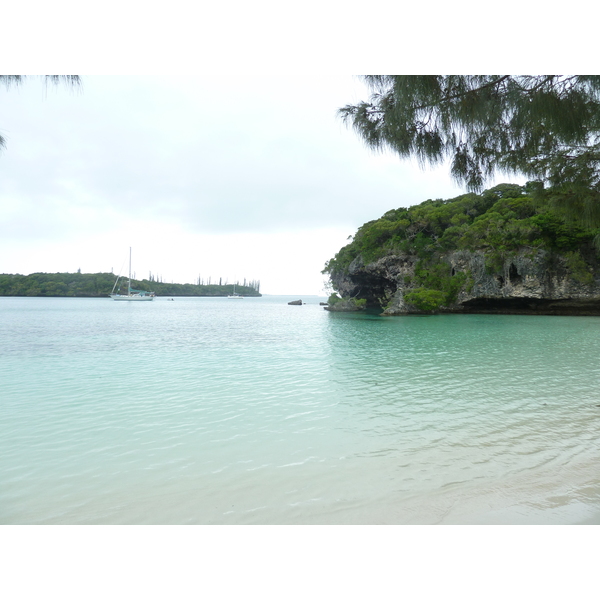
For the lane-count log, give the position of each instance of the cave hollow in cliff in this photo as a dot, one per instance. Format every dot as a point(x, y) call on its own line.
point(532, 306)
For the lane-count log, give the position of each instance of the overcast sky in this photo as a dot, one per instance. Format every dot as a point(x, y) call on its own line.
point(238, 177)
point(235, 166)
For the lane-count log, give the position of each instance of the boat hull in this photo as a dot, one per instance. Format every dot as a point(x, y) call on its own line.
point(131, 298)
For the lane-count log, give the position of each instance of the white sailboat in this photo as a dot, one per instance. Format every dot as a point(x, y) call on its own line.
point(235, 295)
point(132, 295)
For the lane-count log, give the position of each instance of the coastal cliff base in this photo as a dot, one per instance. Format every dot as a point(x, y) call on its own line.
point(532, 283)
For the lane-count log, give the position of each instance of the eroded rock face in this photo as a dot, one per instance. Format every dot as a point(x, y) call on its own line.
point(376, 282)
point(526, 283)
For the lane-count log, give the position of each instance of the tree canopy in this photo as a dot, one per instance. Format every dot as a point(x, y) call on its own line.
point(500, 220)
point(546, 127)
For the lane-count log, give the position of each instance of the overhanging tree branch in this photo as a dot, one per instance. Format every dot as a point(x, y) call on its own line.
point(543, 126)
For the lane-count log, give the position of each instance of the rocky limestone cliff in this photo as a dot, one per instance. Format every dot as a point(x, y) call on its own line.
point(539, 282)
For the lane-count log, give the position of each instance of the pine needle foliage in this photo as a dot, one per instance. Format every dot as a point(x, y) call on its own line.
point(546, 127)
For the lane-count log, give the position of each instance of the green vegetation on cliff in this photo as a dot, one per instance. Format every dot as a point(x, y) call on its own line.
point(94, 285)
point(499, 222)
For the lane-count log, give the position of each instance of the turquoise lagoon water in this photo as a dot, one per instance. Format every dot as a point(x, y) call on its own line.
point(210, 411)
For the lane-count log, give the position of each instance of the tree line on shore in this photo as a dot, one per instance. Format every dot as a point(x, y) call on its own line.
point(100, 285)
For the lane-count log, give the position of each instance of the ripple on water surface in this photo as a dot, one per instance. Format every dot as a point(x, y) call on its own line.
point(197, 411)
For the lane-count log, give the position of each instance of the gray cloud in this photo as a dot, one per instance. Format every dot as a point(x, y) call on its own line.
point(221, 156)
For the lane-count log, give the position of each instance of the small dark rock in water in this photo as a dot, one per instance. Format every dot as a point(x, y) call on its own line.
point(323, 304)
point(296, 303)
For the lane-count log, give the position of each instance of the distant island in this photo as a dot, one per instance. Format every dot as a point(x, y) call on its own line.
point(100, 285)
point(495, 252)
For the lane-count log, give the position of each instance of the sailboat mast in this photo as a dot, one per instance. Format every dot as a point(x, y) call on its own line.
point(129, 284)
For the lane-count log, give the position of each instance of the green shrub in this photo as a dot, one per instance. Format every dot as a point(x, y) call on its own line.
point(333, 299)
point(578, 268)
point(424, 299)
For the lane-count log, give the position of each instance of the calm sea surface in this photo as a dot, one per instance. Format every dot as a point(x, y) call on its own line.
point(252, 411)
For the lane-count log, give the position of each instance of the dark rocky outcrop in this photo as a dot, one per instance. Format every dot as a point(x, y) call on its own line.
point(528, 282)
point(347, 305)
point(295, 303)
